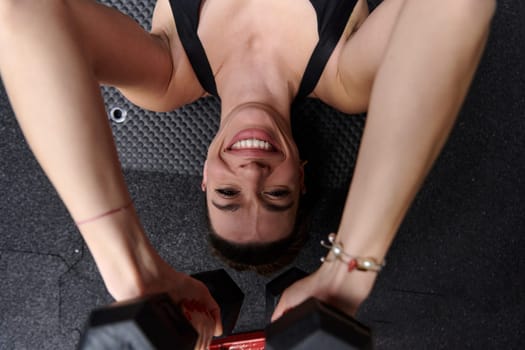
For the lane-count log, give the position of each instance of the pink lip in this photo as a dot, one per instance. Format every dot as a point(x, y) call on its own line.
point(253, 134)
point(253, 153)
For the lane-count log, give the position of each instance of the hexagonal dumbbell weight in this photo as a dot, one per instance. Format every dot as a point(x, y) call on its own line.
point(152, 322)
point(316, 325)
point(155, 322)
point(311, 325)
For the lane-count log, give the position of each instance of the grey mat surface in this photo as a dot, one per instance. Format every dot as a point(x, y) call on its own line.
point(456, 272)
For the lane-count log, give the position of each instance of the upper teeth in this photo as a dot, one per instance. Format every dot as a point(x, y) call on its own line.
point(252, 144)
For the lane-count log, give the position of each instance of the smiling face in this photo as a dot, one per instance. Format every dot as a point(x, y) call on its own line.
point(252, 176)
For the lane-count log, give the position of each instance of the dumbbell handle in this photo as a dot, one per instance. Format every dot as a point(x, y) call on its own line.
point(248, 341)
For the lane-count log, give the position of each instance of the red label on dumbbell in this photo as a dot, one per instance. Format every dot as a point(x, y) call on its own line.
point(241, 341)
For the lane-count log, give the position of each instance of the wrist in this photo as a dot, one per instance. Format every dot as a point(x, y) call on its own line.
point(347, 289)
point(339, 277)
point(337, 253)
point(348, 279)
point(123, 254)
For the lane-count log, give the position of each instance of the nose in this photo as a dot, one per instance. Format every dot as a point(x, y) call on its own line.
point(255, 169)
point(255, 164)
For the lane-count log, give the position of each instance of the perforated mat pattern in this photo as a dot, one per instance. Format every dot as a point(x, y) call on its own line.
point(174, 142)
point(177, 142)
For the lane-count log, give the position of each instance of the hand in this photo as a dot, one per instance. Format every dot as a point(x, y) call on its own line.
point(198, 306)
point(131, 268)
point(156, 276)
point(331, 283)
point(194, 298)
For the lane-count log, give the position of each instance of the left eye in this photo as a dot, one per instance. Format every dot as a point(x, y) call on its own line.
point(277, 193)
point(227, 192)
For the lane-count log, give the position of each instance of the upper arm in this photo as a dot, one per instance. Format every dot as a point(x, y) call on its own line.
point(181, 86)
point(360, 58)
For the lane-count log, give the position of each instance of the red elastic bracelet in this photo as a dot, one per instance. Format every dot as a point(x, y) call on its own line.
point(107, 213)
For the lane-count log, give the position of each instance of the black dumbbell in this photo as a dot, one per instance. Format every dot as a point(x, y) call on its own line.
point(311, 325)
point(317, 325)
point(155, 322)
point(149, 323)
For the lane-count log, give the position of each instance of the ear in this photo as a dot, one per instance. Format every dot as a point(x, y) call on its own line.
point(204, 176)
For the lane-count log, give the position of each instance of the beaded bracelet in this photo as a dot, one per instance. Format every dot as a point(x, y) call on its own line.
point(353, 262)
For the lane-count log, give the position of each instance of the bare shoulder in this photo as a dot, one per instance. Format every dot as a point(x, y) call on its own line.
point(184, 86)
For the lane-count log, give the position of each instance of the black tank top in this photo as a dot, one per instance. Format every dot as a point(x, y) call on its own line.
point(332, 17)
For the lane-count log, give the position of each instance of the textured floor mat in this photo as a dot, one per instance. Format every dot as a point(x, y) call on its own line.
point(456, 271)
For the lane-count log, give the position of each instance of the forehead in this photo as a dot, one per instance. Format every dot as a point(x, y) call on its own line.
point(251, 223)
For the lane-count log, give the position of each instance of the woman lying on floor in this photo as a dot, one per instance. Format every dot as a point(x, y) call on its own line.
point(409, 63)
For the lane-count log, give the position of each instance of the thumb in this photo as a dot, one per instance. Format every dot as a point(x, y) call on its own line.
point(281, 307)
point(290, 298)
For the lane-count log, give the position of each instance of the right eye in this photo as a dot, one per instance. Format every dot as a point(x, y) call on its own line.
point(277, 193)
point(227, 192)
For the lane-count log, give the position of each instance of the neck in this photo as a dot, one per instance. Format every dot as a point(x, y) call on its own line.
point(243, 80)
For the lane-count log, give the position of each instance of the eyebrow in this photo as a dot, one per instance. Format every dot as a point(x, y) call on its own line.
point(266, 205)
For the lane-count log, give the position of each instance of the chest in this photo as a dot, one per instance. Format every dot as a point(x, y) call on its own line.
point(258, 27)
point(279, 32)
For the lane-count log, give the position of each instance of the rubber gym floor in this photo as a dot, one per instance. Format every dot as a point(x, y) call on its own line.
point(455, 276)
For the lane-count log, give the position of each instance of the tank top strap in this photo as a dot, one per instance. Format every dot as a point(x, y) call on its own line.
point(332, 18)
point(186, 14)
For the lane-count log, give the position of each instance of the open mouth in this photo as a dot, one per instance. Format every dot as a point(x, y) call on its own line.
point(253, 144)
point(253, 140)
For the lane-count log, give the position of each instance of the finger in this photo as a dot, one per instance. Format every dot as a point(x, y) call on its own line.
point(198, 345)
point(207, 338)
point(214, 312)
point(204, 326)
point(200, 341)
point(216, 315)
point(208, 332)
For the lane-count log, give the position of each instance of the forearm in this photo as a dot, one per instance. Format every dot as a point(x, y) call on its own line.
point(57, 101)
point(124, 256)
point(418, 90)
point(58, 104)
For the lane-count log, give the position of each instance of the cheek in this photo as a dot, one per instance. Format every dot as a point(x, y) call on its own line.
point(287, 176)
point(216, 172)
point(290, 173)
point(212, 167)
point(214, 149)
